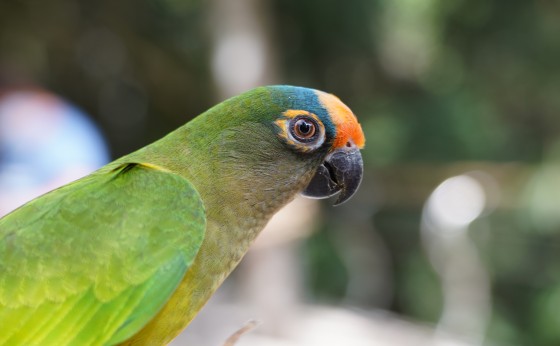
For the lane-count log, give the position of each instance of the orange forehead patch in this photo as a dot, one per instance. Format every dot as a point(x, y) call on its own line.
point(347, 126)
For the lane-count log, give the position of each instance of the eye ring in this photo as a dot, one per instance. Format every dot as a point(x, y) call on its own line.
point(301, 130)
point(304, 129)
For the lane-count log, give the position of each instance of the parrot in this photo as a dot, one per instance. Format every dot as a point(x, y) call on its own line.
point(129, 254)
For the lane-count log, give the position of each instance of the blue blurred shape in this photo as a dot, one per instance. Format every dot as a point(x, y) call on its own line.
point(45, 142)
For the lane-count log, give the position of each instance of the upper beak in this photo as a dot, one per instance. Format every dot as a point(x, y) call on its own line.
point(340, 172)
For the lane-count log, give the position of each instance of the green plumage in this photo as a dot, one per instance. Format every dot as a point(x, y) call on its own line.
point(116, 243)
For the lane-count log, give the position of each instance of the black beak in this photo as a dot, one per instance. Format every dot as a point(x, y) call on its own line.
point(341, 172)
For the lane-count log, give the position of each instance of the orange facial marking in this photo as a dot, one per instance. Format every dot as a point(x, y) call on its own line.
point(347, 126)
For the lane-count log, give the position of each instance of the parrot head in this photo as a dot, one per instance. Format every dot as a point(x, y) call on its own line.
point(317, 123)
point(276, 141)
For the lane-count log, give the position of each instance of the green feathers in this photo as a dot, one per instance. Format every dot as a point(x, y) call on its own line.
point(92, 262)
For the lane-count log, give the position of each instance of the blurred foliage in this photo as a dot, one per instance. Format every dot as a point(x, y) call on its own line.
point(139, 67)
point(433, 82)
point(327, 275)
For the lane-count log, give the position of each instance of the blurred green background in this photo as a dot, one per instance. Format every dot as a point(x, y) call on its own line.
point(441, 88)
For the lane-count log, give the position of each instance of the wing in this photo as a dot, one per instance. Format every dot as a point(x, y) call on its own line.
point(94, 261)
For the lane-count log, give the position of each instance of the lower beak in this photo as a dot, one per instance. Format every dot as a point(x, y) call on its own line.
point(340, 172)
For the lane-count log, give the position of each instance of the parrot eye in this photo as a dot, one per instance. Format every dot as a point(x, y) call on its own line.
point(304, 129)
point(301, 130)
